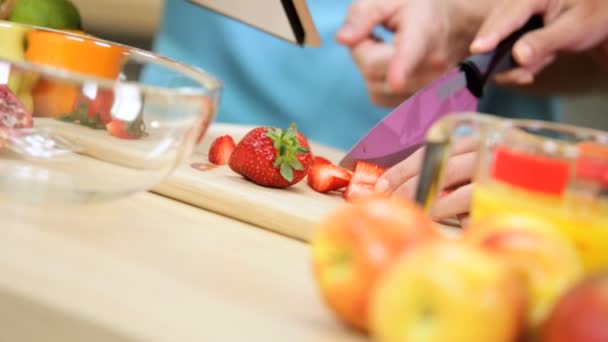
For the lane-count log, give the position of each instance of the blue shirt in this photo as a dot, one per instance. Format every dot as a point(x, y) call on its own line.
point(268, 81)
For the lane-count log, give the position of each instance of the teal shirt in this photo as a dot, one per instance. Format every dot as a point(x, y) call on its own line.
point(268, 81)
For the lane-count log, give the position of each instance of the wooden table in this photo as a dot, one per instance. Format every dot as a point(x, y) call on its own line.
point(154, 269)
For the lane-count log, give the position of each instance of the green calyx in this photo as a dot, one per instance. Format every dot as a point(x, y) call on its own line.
point(288, 148)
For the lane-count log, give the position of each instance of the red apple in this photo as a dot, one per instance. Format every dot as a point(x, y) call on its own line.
point(546, 261)
point(356, 243)
point(448, 291)
point(581, 315)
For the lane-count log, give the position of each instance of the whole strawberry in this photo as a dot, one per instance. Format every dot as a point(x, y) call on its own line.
point(272, 157)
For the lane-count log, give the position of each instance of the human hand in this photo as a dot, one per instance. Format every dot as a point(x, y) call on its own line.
point(570, 26)
point(419, 52)
point(402, 180)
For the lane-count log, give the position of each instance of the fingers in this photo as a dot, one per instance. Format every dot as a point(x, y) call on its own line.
point(362, 17)
point(372, 58)
point(523, 75)
point(456, 203)
point(381, 94)
point(459, 170)
point(568, 27)
point(400, 173)
point(540, 44)
point(506, 17)
point(411, 44)
point(410, 167)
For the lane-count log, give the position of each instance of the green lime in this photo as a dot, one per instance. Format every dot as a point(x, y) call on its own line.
point(55, 14)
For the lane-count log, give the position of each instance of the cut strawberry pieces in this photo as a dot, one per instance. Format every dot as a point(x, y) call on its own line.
point(327, 177)
point(356, 191)
point(320, 160)
point(363, 181)
point(221, 150)
point(367, 173)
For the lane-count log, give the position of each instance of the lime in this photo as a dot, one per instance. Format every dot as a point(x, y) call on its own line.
point(55, 14)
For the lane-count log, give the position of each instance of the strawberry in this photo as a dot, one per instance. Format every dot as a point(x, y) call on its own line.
point(221, 149)
point(319, 160)
point(101, 106)
point(272, 157)
point(363, 180)
point(355, 191)
point(367, 173)
point(327, 177)
point(122, 129)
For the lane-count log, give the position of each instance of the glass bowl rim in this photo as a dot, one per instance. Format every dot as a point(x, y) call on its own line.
point(210, 83)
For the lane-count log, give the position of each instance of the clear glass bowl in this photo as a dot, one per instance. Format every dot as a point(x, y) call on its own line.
point(83, 119)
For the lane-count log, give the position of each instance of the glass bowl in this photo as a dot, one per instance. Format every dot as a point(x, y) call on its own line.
point(84, 119)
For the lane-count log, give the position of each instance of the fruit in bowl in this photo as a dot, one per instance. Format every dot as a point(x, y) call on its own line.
point(55, 14)
point(356, 243)
point(93, 136)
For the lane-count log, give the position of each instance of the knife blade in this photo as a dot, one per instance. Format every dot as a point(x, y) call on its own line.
point(402, 132)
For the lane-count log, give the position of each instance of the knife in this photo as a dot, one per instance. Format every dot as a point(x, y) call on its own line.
point(403, 130)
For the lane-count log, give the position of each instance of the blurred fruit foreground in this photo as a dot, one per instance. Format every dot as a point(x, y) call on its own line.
point(386, 270)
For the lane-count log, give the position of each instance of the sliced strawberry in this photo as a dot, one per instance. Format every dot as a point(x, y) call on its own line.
point(101, 106)
point(355, 191)
point(221, 150)
point(319, 160)
point(117, 129)
point(366, 173)
point(122, 129)
point(327, 177)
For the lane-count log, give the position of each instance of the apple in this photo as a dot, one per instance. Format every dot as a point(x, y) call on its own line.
point(546, 261)
point(356, 243)
point(480, 228)
point(581, 314)
point(448, 291)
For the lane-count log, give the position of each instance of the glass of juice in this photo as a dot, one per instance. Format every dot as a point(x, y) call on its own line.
point(552, 171)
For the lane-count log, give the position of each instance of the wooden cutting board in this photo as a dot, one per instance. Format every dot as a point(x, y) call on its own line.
point(293, 211)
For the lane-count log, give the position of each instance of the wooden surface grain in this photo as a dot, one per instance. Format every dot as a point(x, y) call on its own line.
point(150, 268)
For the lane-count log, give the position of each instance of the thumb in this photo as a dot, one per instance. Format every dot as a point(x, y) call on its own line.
point(562, 34)
point(362, 17)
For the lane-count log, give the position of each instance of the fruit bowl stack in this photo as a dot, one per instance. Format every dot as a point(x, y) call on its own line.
point(76, 124)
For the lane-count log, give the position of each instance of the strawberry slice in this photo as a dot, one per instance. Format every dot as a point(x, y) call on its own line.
point(320, 160)
point(355, 191)
point(366, 173)
point(119, 129)
point(327, 177)
point(126, 130)
point(363, 181)
point(221, 150)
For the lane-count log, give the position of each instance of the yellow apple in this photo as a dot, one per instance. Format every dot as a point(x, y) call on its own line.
point(447, 291)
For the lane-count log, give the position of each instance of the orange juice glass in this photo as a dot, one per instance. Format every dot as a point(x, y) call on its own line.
point(539, 169)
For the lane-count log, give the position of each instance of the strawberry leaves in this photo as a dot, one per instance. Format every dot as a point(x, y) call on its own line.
point(288, 148)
